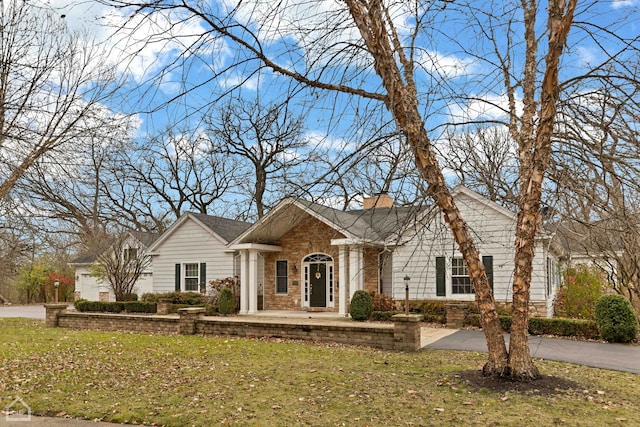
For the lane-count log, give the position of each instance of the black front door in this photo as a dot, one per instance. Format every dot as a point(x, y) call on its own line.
point(318, 280)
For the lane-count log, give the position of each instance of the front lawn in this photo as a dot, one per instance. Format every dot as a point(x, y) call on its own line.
point(203, 381)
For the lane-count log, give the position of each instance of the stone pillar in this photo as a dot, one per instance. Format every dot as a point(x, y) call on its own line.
point(455, 314)
point(188, 317)
point(406, 332)
point(163, 306)
point(52, 311)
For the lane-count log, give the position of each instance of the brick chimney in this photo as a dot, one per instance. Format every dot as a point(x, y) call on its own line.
point(379, 200)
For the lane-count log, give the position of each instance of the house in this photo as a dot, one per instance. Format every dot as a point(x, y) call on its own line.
point(193, 251)
point(305, 256)
point(92, 288)
point(190, 253)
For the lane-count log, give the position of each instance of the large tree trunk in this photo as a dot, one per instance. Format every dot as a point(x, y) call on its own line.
point(535, 151)
point(402, 102)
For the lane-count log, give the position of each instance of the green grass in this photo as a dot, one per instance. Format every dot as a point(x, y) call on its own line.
point(203, 381)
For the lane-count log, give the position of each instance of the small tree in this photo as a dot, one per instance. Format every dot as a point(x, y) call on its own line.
point(581, 288)
point(31, 281)
point(121, 265)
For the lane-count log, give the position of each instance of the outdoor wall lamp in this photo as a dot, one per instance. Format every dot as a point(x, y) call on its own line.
point(406, 294)
point(295, 268)
point(56, 285)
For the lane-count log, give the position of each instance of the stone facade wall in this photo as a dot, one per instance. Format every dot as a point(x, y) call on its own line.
point(371, 272)
point(309, 237)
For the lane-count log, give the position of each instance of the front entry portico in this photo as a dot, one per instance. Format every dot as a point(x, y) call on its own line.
point(317, 280)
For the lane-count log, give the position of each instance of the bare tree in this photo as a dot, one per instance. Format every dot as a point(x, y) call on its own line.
point(269, 138)
point(51, 84)
point(120, 264)
point(341, 43)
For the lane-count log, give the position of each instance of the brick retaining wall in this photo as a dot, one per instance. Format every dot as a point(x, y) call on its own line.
point(403, 334)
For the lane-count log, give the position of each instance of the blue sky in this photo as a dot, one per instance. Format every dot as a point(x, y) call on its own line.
point(452, 61)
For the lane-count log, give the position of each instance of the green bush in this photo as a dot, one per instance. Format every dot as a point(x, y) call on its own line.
point(581, 287)
point(616, 319)
point(226, 302)
point(130, 297)
point(542, 326)
point(140, 307)
point(187, 298)
point(115, 307)
point(360, 308)
point(581, 328)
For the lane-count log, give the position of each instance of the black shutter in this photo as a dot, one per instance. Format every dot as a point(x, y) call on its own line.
point(441, 288)
point(203, 272)
point(488, 266)
point(177, 278)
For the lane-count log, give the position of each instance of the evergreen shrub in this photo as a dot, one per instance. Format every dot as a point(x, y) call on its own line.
point(616, 319)
point(226, 302)
point(360, 308)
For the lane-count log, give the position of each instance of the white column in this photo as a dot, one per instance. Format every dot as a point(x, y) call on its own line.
point(342, 279)
point(253, 281)
point(244, 282)
point(356, 276)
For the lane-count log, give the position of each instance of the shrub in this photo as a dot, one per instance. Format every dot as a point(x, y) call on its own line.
point(187, 298)
point(381, 302)
point(360, 308)
point(581, 328)
point(543, 326)
point(429, 308)
point(384, 316)
point(140, 307)
point(581, 287)
point(616, 319)
point(226, 302)
point(130, 297)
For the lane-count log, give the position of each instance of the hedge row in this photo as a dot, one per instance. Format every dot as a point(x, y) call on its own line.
point(116, 307)
point(542, 326)
point(186, 298)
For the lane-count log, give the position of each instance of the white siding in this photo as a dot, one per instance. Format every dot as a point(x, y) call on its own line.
point(190, 243)
point(494, 235)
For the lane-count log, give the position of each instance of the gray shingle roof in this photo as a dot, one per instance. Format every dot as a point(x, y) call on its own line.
point(226, 228)
point(376, 224)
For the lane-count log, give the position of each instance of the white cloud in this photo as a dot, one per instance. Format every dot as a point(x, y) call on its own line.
point(447, 66)
point(316, 139)
point(618, 4)
point(487, 107)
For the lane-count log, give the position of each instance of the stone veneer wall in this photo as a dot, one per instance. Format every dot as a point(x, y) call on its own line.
point(378, 336)
point(403, 334)
point(119, 322)
point(309, 237)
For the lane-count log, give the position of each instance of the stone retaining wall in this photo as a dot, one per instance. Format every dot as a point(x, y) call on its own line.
point(381, 336)
point(119, 322)
point(403, 334)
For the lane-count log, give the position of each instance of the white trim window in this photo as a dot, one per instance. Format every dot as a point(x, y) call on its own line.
point(192, 277)
point(460, 280)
